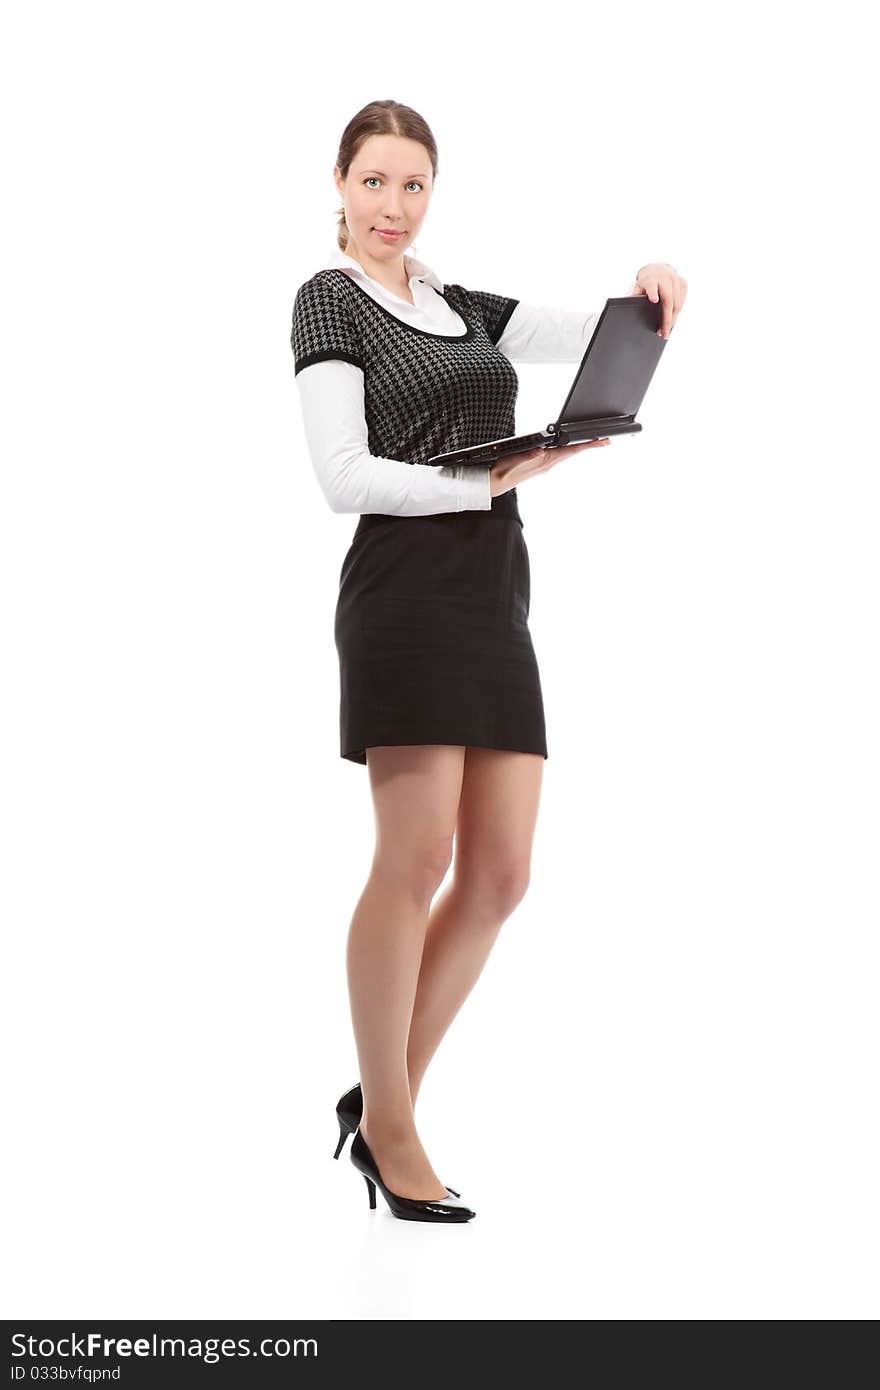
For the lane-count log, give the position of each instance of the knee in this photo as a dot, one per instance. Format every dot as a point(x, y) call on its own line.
point(495, 890)
point(417, 869)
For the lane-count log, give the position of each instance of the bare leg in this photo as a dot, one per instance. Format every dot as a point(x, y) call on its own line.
point(493, 845)
point(416, 792)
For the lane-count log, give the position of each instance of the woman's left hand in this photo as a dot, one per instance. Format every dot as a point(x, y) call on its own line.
point(662, 281)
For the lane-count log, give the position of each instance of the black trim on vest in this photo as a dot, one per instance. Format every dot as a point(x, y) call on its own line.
point(502, 324)
point(333, 355)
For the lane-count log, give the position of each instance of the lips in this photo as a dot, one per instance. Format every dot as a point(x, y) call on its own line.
point(387, 232)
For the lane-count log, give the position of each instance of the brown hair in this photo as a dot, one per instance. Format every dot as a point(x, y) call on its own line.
point(380, 118)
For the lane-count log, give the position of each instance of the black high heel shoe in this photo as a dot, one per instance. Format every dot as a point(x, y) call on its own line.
point(447, 1209)
point(349, 1110)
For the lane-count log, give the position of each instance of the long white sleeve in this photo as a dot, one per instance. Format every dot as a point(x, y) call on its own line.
point(541, 333)
point(352, 479)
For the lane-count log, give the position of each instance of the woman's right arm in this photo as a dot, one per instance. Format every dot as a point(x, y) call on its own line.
point(352, 479)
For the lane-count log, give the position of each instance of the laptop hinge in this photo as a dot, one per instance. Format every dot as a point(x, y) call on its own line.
point(577, 427)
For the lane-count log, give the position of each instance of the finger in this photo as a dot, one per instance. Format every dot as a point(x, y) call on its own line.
point(673, 291)
point(656, 293)
point(676, 290)
point(680, 296)
point(667, 297)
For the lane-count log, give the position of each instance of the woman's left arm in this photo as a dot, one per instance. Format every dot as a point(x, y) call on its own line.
point(661, 281)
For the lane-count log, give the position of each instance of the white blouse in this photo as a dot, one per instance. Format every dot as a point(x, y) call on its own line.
point(331, 395)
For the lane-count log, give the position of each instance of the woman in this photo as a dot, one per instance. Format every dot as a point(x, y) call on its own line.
point(440, 690)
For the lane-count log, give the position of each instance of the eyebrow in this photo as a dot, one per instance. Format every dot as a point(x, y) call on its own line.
point(384, 175)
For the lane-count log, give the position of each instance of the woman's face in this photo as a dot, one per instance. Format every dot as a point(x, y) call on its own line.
point(389, 185)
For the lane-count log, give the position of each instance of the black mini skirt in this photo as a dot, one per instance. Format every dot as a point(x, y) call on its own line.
point(432, 634)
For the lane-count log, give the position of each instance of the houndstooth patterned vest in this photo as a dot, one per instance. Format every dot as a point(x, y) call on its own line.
point(424, 393)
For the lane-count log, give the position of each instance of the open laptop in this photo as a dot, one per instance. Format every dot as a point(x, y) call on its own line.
point(608, 388)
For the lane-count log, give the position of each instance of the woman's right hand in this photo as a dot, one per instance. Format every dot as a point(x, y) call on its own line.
point(507, 472)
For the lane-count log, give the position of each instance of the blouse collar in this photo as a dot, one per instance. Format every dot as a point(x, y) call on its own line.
point(416, 270)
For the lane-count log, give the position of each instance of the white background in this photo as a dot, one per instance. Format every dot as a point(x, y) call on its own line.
point(661, 1095)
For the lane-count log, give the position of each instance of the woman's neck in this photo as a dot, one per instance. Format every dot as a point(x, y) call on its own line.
point(402, 290)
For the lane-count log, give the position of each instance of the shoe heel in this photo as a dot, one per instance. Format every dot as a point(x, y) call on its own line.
point(371, 1188)
point(344, 1132)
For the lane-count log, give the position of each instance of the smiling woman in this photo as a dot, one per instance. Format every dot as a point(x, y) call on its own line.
point(440, 692)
